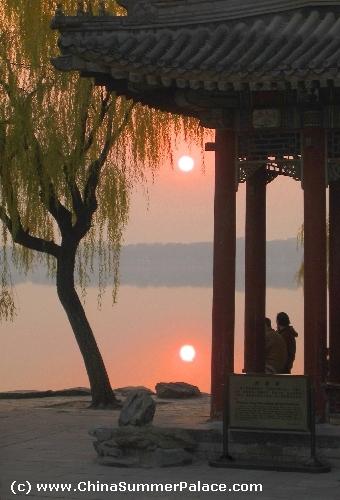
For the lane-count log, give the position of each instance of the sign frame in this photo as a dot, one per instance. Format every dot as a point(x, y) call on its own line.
point(268, 402)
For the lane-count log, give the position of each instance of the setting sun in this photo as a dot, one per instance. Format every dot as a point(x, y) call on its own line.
point(186, 163)
point(187, 353)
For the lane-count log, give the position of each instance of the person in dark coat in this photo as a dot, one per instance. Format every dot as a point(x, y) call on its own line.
point(289, 335)
point(276, 350)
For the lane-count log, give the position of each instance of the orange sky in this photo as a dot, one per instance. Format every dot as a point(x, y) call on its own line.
point(180, 206)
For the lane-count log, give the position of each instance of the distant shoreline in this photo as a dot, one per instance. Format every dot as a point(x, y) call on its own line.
point(185, 265)
point(79, 391)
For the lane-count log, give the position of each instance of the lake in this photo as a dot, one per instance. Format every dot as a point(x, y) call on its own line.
point(139, 337)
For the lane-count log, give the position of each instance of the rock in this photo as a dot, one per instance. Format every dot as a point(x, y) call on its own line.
point(143, 446)
point(172, 458)
point(107, 449)
point(101, 433)
point(177, 390)
point(128, 439)
point(138, 410)
point(145, 437)
point(117, 462)
point(125, 391)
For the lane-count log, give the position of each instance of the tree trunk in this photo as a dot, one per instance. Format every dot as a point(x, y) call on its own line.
point(102, 394)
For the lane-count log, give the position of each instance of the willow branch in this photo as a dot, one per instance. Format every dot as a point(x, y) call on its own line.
point(83, 223)
point(85, 144)
point(48, 195)
point(87, 141)
point(77, 201)
point(22, 237)
point(96, 166)
point(104, 108)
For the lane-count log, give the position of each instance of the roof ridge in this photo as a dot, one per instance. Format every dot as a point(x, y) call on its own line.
point(210, 9)
point(179, 12)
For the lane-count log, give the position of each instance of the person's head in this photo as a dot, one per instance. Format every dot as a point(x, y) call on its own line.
point(282, 319)
point(267, 323)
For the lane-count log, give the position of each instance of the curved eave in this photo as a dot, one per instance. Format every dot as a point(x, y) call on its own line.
point(273, 50)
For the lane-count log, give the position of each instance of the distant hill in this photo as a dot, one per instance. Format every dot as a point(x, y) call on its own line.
point(177, 265)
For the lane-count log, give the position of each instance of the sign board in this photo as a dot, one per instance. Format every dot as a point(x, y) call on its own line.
point(272, 402)
point(266, 118)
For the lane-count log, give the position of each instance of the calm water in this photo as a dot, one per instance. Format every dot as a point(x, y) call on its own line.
point(139, 337)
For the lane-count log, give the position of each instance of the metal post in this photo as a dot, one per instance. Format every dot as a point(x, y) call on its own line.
point(225, 455)
point(313, 461)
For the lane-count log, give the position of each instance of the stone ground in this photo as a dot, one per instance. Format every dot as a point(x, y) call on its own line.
point(45, 442)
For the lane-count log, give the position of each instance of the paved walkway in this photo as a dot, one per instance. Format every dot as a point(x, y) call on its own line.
point(45, 442)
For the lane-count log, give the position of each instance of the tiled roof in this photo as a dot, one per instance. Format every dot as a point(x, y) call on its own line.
point(177, 12)
point(302, 44)
point(199, 68)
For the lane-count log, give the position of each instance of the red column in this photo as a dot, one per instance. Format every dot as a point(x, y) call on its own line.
point(315, 277)
point(334, 281)
point(223, 310)
point(255, 273)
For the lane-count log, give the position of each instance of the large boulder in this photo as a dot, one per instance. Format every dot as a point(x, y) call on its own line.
point(118, 462)
point(159, 458)
point(177, 390)
point(146, 437)
point(143, 446)
point(138, 410)
point(107, 449)
point(102, 433)
point(171, 458)
point(126, 391)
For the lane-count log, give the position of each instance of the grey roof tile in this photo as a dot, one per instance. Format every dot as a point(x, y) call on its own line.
point(298, 44)
point(155, 54)
point(334, 56)
point(179, 43)
point(144, 46)
point(328, 46)
point(229, 43)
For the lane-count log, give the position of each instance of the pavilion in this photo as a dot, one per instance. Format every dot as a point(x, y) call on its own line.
point(265, 74)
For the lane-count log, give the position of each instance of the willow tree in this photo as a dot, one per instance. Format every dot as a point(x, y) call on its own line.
point(300, 273)
point(69, 155)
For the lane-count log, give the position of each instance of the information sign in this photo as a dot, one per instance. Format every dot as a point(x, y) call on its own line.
point(269, 402)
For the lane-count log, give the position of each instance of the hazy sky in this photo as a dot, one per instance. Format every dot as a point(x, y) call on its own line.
point(180, 208)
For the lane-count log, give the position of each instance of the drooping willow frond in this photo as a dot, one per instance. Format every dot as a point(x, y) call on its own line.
point(300, 239)
point(65, 143)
